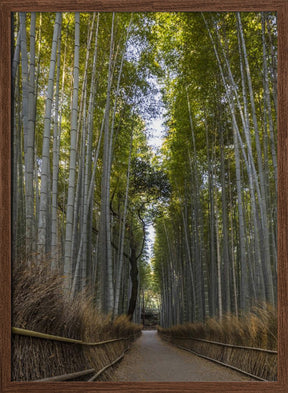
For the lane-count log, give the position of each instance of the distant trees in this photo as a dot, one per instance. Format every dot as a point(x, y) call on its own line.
point(77, 135)
point(86, 184)
point(215, 250)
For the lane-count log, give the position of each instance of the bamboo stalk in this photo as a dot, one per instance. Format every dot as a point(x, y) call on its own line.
point(223, 364)
point(109, 365)
point(105, 368)
point(224, 345)
point(31, 333)
point(66, 377)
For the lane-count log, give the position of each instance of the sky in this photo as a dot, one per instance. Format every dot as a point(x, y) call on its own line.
point(155, 140)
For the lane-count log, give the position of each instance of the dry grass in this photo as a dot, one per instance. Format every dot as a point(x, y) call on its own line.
point(258, 328)
point(39, 305)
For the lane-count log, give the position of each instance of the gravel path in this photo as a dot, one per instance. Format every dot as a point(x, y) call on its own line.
point(152, 359)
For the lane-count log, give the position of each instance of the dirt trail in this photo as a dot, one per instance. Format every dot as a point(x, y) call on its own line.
point(152, 359)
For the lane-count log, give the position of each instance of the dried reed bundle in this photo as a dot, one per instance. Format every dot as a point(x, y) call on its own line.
point(258, 329)
point(38, 304)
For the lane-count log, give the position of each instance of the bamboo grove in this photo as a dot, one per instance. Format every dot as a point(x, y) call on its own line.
point(80, 151)
point(215, 250)
point(87, 184)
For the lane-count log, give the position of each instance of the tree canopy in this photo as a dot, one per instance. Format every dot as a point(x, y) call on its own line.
point(87, 185)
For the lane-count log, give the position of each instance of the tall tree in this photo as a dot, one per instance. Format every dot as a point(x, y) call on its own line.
point(45, 164)
point(72, 166)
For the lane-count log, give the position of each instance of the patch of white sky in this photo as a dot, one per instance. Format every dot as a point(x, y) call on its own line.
point(156, 131)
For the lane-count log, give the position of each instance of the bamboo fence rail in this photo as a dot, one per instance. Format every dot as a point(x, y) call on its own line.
point(79, 374)
point(257, 363)
point(32, 333)
point(222, 344)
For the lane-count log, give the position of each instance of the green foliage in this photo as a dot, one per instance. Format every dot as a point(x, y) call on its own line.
point(198, 154)
point(185, 188)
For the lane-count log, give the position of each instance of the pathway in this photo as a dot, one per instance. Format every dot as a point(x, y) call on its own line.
point(152, 359)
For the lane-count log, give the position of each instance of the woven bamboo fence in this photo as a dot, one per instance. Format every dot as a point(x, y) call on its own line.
point(257, 362)
point(46, 357)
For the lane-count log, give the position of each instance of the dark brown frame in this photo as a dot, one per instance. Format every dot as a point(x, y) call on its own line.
point(8, 6)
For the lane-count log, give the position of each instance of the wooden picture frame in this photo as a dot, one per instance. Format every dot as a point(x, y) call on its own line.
point(9, 6)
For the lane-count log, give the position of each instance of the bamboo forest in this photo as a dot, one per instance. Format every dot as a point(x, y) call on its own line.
point(144, 163)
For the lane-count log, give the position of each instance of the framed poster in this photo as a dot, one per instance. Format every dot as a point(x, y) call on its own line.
point(280, 9)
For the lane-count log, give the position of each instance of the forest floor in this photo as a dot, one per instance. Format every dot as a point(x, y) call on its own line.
point(152, 359)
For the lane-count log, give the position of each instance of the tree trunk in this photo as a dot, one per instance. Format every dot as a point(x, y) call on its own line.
point(45, 170)
point(105, 252)
point(72, 168)
point(55, 160)
point(122, 238)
